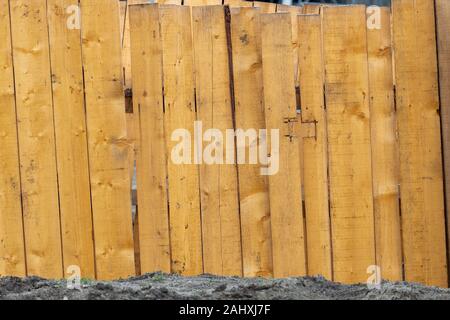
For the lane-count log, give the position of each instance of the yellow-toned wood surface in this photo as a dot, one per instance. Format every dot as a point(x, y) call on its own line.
point(249, 104)
point(36, 138)
point(71, 140)
point(146, 62)
point(421, 176)
point(385, 166)
point(443, 41)
point(221, 234)
point(184, 197)
point(12, 250)
point(288, 236)
point(107, 140)
point(315, 150)
point(349, 149)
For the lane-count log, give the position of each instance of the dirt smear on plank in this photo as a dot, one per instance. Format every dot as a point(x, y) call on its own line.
point(159, 286)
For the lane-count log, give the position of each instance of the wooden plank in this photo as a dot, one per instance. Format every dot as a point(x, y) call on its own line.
point(249, 114)
point(12, 248)
point(202, 2)
point(177, 2)
point(132, 118)
point(350, 168)
point(123, 11)
point(443, 41)
point(146, 65)
point(185, 224)
point(36, 138)
point(385, 164)
point(294, 11)
point(71, 140)
point(312, 8)
point(315, 149)
point(238, 3)
point(265, 7)
point(421, 176)
point(107, 139)
point(218, 180)
point(126, 51)
point(288, 241)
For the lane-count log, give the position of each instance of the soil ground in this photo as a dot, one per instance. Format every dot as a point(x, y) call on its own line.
point(166, 287)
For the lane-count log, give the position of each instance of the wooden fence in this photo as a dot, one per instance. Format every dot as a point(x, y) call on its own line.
point(358, 103)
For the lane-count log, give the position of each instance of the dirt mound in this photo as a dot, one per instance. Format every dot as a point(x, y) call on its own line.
point(165, 287)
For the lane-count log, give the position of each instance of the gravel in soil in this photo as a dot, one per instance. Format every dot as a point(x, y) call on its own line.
point(160, 286)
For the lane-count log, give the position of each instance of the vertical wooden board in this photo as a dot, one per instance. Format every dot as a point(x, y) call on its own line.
point(315, 179)
point(202, 2)
point(384, 150)
point(443, 41)
point(350, 168)
point(218, 180)
point(421, 178)
point(265, 7)
point(132, 117)
point(107, 139)
point(249, 114)
point(311, 8)
point(294, 11)
point(12, 248)
point(126, 51)
point(123, 11)
point(288, 241)
point(71, 140)
point(36, 138)
point(146, 63)
point(238, 3)
point(178, 2)
point(185, 223)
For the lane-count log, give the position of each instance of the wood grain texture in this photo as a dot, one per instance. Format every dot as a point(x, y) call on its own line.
point(294, 11)
point(265, 7)
point(385, 165)
point(12, 249)
point(107, 140)
point(311, 8)
point(184, 194)
point(36, 138)
point(348, 120)
point(132, 116)
point(146, 62)
point(288, 238)
point(315, 179)
point(443, 42)
point(71, 140)
point(249, 114)
point(421, 176)
point(218, 179)
point(177, 2)
point(202, 2)
point(238, 3)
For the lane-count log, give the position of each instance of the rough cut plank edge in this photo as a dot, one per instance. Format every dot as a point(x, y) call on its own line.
point(385, 157)
point(36, 139)
point(146, 62)
point(13, 262)
point(442, 8)
point(421, 168)
point(311, 80)
point(288, 234)
point(71, 140)
point(107, 138)
point(348, 121)
point(249, 113)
